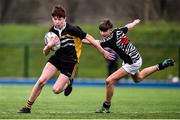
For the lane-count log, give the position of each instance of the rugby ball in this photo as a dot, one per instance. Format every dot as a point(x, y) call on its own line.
point(48, 36)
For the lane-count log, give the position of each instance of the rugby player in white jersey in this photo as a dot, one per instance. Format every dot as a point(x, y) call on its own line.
point(117, 40)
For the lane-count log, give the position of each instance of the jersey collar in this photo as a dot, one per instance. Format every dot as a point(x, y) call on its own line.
point(60, 30)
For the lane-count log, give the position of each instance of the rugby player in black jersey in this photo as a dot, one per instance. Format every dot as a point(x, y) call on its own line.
point(65, 59)
point(117, 40)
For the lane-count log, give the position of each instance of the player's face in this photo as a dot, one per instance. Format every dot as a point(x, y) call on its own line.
point(106, 33)
point(58, 22)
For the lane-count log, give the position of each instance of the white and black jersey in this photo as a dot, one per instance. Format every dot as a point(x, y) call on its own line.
point(118, 41)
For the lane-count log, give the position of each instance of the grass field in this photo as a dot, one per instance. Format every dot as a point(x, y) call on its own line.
point(128, 103)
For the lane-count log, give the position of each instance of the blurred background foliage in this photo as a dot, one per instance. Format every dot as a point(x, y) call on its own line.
point(85, 11)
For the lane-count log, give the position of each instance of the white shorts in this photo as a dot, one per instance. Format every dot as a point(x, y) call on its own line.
point(133, 68)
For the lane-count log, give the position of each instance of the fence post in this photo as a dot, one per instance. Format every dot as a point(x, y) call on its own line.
point(179, 61)
point(26, 60)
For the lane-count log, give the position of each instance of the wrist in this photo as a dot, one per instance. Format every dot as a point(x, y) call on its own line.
point(48, 46)
point(103, 52)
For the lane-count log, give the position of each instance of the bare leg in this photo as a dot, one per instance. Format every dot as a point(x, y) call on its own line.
point(139, 76)
point(61, 84)
point(113, 78)
point(48, 71)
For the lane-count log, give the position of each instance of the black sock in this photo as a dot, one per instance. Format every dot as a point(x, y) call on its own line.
point(160, 66)
point(107, 104)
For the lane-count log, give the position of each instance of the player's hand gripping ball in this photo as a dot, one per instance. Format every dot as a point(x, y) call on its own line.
point(48, 37)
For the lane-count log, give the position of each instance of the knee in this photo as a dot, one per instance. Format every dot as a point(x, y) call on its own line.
point(138, 79)
point(57, 90)
point(41, 82)
point(109, 82)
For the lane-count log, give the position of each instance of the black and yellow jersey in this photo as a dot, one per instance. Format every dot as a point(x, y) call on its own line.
point(70, 37)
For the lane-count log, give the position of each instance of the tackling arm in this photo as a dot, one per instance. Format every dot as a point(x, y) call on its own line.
point(96, 44)
point(85, 41)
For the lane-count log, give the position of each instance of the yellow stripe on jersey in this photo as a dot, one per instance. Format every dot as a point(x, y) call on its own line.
point(74, 70)
point(78, 45)
point(77, 42)
point(66, 36)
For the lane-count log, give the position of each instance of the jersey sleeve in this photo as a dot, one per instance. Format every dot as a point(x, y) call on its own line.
point(105, 43)
point(108, 42)
point(124, 29)
point(78, 32)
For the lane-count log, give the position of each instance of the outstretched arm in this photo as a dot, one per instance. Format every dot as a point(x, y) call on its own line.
point(133, 24)
point(85, 41)
point(96, 44)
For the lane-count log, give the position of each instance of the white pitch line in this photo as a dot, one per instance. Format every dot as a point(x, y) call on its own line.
point(84, 112)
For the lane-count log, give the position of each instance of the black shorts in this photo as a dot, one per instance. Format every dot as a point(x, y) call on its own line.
point(67, 68)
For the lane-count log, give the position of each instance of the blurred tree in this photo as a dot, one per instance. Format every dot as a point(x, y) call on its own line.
point(163, 8)
point(25, 11)
point(4, 7)
point(71, 7)
point(147, 5)
point(173, 13)
point(38, 11)
point(18, 11)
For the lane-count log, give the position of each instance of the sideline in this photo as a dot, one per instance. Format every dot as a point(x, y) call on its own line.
point(95, 83)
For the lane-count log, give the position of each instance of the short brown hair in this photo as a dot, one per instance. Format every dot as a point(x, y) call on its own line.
point(58, 11)
point(105, 25)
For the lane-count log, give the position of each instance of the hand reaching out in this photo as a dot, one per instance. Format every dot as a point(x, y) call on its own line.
point(108, 55)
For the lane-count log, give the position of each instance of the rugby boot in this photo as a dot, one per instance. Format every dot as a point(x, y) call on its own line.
point(166, 63)
point(68, 90)
point(24, 110)
point(105, 108)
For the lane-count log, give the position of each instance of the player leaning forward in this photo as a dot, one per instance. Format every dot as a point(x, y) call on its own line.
point(117, 40)
point(65, 59)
